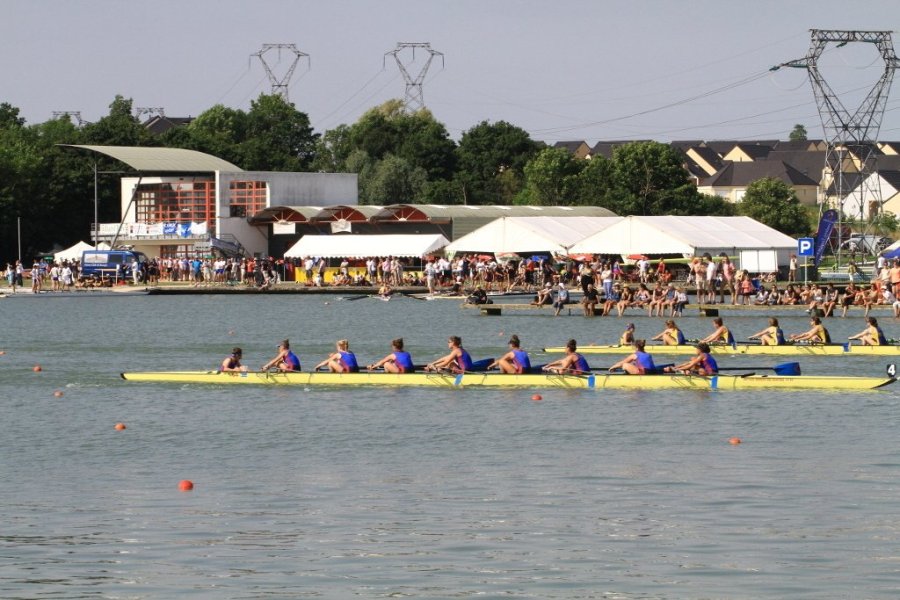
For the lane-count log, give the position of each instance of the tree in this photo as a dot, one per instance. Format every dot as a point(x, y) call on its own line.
point(119, 128)
point(798, 134)
point(219, 131)
point(653, 176)
point(279, 137)
point(773, 202)
point(486, 153)
point(550, 177)
point(395, 181)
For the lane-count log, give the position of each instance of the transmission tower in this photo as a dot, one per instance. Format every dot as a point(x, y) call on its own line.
point(851, 136)
point(69, 114)
point(414, 99)
point(280, 85)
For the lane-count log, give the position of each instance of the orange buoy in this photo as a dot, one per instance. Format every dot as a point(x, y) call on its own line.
point(120, 426)
point(185, 485)
point(58, 394)
point(2, 352)
point(537, 397)
point(36, 368)
point(735, 441)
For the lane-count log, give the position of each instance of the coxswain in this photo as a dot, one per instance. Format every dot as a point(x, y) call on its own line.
point(398, 361)
point(342, 361)
point(817, 334)
point(233, 361)
point(701, 364)
point(457, 361)
point(638, 362)
point(572, 363)
point(515, 361)
point(771, 335)
point(286, 360)
point(671, 335)
point(627, 337)
point(871, 335)
point(721, 335)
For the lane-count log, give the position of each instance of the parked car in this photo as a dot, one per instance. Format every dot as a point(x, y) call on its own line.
point(870, 244)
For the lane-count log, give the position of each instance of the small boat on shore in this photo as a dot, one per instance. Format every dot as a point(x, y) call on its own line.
point(746, 348)
point(597, 380)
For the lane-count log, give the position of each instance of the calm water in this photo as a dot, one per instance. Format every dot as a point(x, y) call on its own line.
point(427, 493)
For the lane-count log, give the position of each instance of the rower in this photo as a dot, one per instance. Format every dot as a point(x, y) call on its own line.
point(721, 335)
point(671, 335)
point(701, 364)
point(872, 335)
point(458, 361)
point(342, 361)
point(515, 361)
point(627, 337)
point(233, 361)
point(398, 361)
point(286, 360)
point(817, 334)
point(572, 363)
point(385, 291)
point(637, 363)
point(771, 335)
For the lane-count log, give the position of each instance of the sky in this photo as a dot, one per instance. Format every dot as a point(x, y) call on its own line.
point(561, 69)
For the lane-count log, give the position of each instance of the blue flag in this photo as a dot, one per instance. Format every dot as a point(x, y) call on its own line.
point(823, 234)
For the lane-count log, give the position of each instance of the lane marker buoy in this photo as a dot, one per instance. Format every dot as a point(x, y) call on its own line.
point(120, 426)
point(185, 485)
point(735, 441)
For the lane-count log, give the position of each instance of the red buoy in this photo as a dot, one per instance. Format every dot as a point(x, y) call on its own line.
point(58, 394)
point(185, 485)
point(537, 397)
point(735, 441)
point(120, 426)
point(36, 368)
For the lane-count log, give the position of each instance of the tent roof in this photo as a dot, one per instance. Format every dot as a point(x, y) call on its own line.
point(530, 234)
point(361, 246)
point(73, 252)
point(162, 160)
point(683, 235)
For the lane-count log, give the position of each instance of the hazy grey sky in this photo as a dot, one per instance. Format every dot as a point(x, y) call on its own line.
point(562, 69)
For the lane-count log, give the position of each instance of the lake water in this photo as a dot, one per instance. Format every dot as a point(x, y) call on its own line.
point(422, 493)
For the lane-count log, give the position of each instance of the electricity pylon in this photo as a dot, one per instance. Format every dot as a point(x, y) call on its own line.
point(414, 98)
point(851, 136)
point(280, 85)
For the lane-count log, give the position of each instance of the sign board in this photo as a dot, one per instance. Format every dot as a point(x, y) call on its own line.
point(284, 228)
point(759, 261)
point(806, 247)
point(202, 246)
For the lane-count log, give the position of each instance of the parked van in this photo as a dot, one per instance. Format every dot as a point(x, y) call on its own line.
point(110, 263)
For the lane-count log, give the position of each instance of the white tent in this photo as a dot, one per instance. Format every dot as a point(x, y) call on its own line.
point(688, 236)
point(73, 253)
point(530, 234)
point(361, 246)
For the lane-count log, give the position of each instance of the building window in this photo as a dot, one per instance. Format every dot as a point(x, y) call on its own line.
point(179, 202)
point(246, 198)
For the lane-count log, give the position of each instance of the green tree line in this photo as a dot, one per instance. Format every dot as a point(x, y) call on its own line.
point(400, 157)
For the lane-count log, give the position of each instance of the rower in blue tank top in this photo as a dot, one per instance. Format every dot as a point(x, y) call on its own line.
point(701, 364)
point(398, 361)
point(342, 361)
point(286, 360)
point(515, 361)
point(572, 363)
point(457, 361)
point(637, 363)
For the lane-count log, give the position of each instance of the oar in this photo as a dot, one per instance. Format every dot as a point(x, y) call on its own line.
point(791, 368)
point(352, 298)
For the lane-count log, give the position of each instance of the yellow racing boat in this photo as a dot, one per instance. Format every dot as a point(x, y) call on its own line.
point(598, 380)
point(746, 348)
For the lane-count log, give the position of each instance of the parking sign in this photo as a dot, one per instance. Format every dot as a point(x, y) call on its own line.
point(806, 246)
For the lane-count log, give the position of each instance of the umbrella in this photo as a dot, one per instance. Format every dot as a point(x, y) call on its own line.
point(636, 257)
point(581, 257)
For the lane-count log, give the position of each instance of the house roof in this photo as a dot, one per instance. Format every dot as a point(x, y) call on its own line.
point(742, 174)
point(710, 156)
point(797, 145)
point(162, 160)
point(571, 146)
point(159, 124)
point(810, 163)
point(756, 151)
